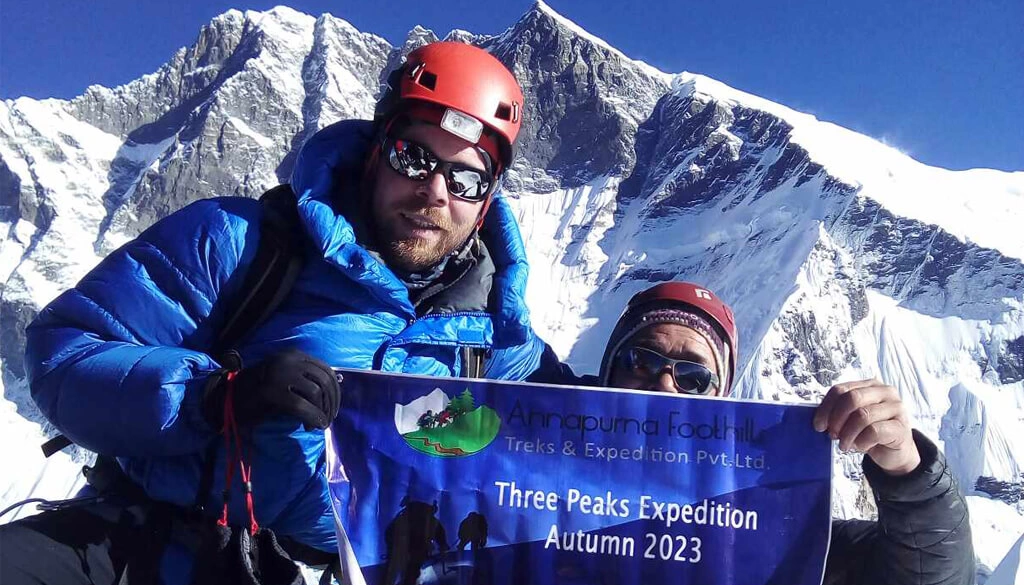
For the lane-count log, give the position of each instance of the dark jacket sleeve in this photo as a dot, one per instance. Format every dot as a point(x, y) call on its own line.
point(922, 536)
point(551, 370)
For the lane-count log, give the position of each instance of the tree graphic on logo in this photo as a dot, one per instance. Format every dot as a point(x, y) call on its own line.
point(443, 427)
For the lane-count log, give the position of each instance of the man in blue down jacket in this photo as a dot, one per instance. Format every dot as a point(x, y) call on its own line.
point(410, 259)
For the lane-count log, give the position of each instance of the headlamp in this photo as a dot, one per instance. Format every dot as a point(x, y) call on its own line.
point(466, 127)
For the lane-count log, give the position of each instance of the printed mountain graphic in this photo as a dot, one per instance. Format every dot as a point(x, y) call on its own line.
point(443, 427)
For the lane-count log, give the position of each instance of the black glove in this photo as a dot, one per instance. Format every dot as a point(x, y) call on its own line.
point(290, 383)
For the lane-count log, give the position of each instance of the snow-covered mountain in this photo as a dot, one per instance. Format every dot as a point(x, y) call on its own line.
point(843, 257)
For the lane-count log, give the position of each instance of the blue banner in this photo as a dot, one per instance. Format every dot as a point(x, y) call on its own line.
point(446, 480)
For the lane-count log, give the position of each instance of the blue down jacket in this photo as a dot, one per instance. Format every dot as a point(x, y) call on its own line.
point(118, 363)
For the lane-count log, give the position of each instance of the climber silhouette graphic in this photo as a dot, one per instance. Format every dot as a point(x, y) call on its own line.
point(410, 541)
point(472, 532)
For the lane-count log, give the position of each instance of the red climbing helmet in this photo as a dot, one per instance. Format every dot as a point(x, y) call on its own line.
point(478, 97)
point(696, 297)
point(689, 297)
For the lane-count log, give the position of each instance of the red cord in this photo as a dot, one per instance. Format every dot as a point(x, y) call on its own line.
point(230, 431)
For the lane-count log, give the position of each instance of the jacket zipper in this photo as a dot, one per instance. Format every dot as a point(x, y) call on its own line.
point(378, 359)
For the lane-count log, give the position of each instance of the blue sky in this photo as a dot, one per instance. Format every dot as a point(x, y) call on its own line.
point(942, 80)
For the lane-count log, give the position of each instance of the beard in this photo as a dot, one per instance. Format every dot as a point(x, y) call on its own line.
point(414, 253)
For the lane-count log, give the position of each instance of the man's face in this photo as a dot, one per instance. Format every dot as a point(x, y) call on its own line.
point(420, 222)
point(673, 341)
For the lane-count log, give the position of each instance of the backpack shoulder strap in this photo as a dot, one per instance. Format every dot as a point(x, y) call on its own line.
point(273, 271)
point(268, 281)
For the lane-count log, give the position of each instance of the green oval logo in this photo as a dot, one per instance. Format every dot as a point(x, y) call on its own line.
point(442, 427)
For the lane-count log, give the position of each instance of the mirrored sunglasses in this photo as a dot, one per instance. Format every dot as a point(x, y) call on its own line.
point(415, 161)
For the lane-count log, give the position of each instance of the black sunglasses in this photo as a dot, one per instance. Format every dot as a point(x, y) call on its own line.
point(689, 377)
point(415, 161)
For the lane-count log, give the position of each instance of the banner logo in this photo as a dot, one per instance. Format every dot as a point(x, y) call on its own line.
point(446, 427)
